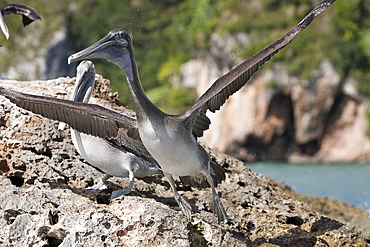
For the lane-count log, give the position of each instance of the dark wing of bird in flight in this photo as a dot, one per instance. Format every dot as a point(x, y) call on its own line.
point(28, 13)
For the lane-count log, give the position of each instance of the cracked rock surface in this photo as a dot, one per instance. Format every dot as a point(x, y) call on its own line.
point(42, 201)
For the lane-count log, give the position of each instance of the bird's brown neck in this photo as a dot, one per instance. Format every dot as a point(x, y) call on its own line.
point(143, 105)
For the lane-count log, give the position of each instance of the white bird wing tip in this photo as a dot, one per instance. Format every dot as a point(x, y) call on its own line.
point(4, 27)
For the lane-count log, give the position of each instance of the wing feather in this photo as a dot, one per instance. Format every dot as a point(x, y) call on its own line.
point(232, 81)
point(28, 13)
point(90, 119)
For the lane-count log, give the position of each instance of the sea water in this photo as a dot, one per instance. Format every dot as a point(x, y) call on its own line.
point(343, 182)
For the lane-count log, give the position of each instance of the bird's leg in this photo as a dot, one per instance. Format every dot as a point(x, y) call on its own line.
point(99, 187)
point(119, 194)
point(216, 204)
point(183, 204)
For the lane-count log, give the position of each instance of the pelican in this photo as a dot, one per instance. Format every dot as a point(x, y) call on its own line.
point(122, 156)
point(105, 154)
point(28, 15)
point(171, 139)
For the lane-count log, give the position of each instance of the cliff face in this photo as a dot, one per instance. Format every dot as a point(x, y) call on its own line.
point(277, 115)
point(42, 201)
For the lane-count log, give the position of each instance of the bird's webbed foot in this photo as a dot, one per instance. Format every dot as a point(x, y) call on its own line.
point(218, 208)
point(119, 194)
point(183, 204)
point(99, 187)
point(96, 188)
point(216, 204)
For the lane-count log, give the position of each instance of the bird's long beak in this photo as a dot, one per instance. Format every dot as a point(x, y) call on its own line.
point(3, 26)
point(93, 49)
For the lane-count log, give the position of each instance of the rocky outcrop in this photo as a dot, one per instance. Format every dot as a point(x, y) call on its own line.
point(42, 201)
point(278, 116)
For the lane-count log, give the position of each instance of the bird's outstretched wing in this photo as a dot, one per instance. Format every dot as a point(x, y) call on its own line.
point(90, 119)
point(28, 15)
point(231, 82)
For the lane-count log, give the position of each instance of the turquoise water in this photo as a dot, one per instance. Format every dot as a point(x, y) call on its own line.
point(348, 183)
